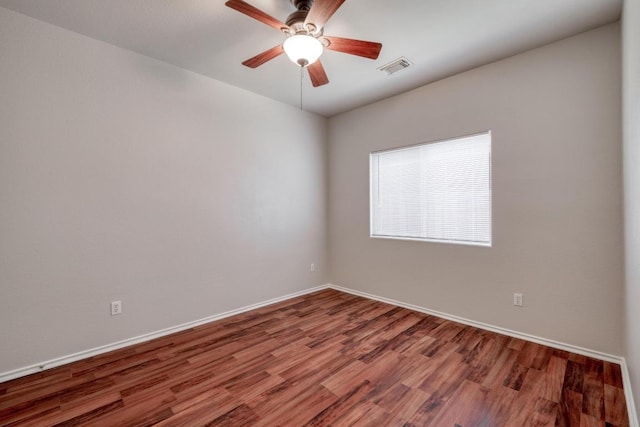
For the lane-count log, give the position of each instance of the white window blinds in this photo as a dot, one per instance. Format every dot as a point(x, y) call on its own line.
point(438, 191)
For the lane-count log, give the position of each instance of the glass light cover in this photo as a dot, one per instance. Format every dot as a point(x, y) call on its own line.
point(303, 49)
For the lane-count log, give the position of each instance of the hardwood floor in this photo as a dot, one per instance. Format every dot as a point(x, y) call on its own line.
point(327, 358)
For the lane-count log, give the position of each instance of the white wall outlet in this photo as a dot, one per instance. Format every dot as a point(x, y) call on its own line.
point(312, 268)
point(116, 307)
point(517, 300)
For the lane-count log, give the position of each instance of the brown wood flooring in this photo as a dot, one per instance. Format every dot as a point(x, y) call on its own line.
point(326, 358)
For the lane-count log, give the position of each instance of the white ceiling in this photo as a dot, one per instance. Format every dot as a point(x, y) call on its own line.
point(441, 38)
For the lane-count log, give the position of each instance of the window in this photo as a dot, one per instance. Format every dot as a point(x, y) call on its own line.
point(438, 191)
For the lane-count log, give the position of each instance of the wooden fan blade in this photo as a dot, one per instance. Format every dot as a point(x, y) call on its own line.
point(263, 57)
point(255, 13)
point(321, 11)
point(362, 48)
point(317, 74)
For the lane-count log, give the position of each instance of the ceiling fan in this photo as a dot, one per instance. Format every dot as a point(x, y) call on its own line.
point(305, 40)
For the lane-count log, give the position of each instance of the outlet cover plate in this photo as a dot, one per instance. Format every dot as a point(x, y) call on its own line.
point(116, 307)
point(517, 300)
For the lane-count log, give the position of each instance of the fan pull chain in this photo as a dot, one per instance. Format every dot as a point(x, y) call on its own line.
point(301, 76)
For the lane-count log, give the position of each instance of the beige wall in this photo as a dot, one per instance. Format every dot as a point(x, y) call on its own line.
point(557, 197)
point(631, 106)
point(125, 178)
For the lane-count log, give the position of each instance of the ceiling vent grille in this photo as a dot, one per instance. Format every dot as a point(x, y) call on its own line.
point(396, 65)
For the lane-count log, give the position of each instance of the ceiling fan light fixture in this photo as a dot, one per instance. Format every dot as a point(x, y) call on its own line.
point(303, 49)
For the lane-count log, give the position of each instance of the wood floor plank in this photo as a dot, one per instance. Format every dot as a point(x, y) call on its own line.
point(340, 405)
point(544, 413)
point(554, 379)
point(593, 397)
point(501, 368)
point(83, 411)
point(574, 377)
point(615, 407)
point(25, 413)
point(523, 406)
point(569, 409)
point(326, 358)
point(425, 414)
point(588, 421)
point(462, 407)
point(612, 374)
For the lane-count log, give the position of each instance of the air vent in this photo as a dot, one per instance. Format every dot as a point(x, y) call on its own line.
point(396, 65)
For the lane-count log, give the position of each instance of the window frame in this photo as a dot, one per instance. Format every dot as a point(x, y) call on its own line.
point(372, 156)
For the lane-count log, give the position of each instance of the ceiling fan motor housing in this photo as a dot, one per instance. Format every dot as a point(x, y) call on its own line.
point(295, 20)
point(302, 4)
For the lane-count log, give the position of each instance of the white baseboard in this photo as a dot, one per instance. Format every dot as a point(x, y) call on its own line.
point(631, 407)
point(32, 369)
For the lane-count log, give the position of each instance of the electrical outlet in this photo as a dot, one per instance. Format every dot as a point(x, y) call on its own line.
point(116, 307)
point(313, 267)
point(517, 300)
